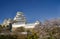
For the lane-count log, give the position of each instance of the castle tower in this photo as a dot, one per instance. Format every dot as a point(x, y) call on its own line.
point(37, 22)
point(20, 18)
point(7, 21)
point(19, 21)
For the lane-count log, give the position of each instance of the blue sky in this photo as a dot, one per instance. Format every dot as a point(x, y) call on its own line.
point(33, 9)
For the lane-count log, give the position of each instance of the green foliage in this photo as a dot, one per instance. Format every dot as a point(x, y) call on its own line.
point(32, 35)
point(20, 29)
point(7, 37)
point(1, 28)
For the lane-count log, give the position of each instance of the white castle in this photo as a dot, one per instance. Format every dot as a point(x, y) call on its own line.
point(20, 21)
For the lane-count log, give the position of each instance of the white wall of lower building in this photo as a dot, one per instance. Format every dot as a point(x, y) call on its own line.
point(31, 25)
